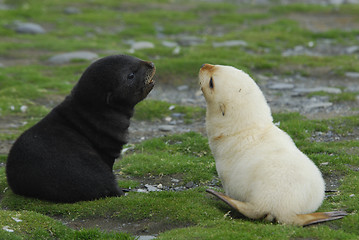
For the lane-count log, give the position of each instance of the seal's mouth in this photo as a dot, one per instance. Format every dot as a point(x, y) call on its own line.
point(149, 76)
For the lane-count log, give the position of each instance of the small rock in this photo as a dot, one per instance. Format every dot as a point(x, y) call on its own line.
point(352, 74)
point(177, 50)
point(318, 89)
point(166, 128)
point(177, 115)
point(171, 107)
point(324, 163)
point(231, 43)
point(160, 186)
point(281, 86)
point(182, 88)
point(352, 49)
point(7, 229)
point(175, 180)
point(23, 108)
point(352, 195)
point(72, 10)
point(190, 40)
point(146, 237)
point(177, 189)
point(317, 105)
point(190, 185)
point(28, 28)
point(141, 190)
point(151, 188)
point(142, 45)
point(68, 57)
point(16, 219)
point(4, 7)
point(169, 44)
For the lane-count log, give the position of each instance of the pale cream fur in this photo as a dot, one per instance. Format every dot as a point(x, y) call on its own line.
point(257, 162)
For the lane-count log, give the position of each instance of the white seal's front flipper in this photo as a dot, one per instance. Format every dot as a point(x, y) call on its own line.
point(247, 209)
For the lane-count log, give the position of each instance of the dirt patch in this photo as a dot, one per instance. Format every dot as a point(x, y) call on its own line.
point(325, 22)
point(138, 228)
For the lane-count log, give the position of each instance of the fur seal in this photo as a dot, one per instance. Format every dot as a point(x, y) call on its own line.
point(264, 175)
point(68, 156)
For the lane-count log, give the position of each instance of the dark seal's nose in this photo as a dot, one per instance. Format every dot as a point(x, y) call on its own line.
point(150, 64)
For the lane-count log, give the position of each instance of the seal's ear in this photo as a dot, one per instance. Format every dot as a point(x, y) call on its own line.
point(222, 107)
point(108, 97)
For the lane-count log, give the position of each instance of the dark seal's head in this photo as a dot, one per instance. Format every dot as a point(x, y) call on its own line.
point(115, 81)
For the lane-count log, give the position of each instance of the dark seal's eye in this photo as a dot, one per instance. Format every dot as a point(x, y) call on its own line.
point(211, 83)
point(131, 76)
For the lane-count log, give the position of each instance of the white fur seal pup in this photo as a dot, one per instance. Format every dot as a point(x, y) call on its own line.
point(263, 173)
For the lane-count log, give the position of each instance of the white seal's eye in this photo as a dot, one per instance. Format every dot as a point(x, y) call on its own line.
point(211, 83)
point(130, 76)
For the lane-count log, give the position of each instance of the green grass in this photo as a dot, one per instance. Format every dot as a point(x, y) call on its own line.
point(103, 26)
point(336, 98)
point(32, 225)
point(157, 110)
point(187, 155)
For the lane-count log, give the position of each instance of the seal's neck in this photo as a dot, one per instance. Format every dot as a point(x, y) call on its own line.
point(106, 129)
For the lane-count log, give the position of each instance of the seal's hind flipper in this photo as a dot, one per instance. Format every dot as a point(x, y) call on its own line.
point(318, 217)
point(247, 209)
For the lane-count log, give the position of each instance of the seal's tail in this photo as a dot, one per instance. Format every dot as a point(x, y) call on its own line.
point(250, 211)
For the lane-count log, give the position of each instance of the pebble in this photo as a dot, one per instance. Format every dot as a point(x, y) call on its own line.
point(72, 10)
point(189, 40)
point(23, 108)
point(7, 229)
point(68, 57)
point(352, 49)
point(177, 115)
point(142, 45)
point(166, 128)
point(175, 180)
point(190, 185)
point(352, 74)
point(281, 86)
point(182, 88)
point(28, 28)
point(231, 43)
point(169, 44)
point(318, 89)
point(311, 106)
point(4, 7)
point(146, 237)
point(151, 188)
point(177, 50)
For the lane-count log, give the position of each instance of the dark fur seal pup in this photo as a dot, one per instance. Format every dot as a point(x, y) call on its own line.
point(68, 155)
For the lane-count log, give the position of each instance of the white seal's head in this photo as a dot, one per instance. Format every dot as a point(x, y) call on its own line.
point(233, 99)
